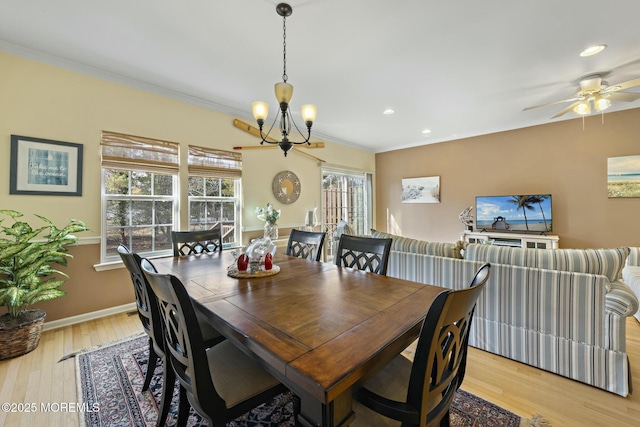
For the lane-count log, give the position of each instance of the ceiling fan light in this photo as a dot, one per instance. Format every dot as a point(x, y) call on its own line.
point(601, 103)
point(309, 112)
point(260, 110)
point(284, 92)
point(582, 108)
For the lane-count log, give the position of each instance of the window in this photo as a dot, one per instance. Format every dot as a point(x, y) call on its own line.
point(139, 194)
point(346, 196)
point(214, 192)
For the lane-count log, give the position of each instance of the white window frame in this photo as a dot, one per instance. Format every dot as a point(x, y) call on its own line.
point(237, 200)
point(133, 153)
point(107, 257)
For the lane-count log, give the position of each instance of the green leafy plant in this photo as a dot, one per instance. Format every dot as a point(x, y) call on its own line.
point(26, 258)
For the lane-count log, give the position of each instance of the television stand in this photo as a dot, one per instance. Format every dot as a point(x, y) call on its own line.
point(533, 241)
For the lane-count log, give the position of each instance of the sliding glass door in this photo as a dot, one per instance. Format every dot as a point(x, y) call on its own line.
point(346, 196)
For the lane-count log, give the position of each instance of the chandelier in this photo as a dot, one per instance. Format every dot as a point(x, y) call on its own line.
point(284, 92)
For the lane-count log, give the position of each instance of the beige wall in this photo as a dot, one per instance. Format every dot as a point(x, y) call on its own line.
point(558, 158)
point(44, 101)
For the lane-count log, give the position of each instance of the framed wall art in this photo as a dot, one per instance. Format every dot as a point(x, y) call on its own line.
point(45, 167)
point(623, 176)
point(421, 190)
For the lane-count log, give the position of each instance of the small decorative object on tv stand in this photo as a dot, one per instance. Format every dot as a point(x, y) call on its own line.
point(533, 241)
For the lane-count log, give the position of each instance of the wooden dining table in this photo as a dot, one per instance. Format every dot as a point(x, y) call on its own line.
point(319, 328)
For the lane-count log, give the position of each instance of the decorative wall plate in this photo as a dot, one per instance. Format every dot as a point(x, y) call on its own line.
point(286, 187)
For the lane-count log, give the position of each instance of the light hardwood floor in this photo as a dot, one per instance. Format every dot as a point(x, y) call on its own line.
point(38, 378)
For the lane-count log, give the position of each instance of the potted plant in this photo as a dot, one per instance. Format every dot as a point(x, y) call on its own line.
point(28, 276)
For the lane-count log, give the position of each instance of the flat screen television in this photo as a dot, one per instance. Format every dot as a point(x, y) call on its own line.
point(516, 213)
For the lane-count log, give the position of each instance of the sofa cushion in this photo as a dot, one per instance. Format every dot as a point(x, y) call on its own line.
point(406, 244)
point(605, 262)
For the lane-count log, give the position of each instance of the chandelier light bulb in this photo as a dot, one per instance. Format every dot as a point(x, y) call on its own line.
point(309, 112)
point(260, 110)
point(284, 92)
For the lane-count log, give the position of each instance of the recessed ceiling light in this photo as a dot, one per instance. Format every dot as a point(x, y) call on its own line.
point(592, 50)
point(388, 111)
point(426, 131)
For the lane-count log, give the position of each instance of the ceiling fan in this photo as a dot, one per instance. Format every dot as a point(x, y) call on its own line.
point(256, 132)
point(593, 91)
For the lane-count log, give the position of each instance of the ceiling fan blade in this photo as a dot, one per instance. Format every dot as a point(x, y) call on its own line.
point(552, 103)
point(624, 96)
point(567, 109)
point(256, 132)
point(623, 85)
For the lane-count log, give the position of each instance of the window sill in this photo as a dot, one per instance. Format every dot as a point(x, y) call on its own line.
point(105, 266)
point(114, 265)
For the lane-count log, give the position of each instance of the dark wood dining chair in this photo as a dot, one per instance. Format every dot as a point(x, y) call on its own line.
point(305, 244)
point(364, 253)
point(420, 393)
point(480, 278)
point(196, 242)
point(152, 325)
point(147, 308)
point(220, 383)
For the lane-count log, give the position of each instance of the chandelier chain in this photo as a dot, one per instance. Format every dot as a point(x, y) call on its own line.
point(284, 49)
point(283, 92)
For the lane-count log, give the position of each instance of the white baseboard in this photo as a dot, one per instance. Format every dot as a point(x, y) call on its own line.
point(67, 321)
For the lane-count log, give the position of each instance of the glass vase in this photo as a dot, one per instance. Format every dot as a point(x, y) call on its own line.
point(271, 230)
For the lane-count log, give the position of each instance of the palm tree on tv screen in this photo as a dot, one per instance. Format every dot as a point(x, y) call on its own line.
point(525, 203)
point(538, 199)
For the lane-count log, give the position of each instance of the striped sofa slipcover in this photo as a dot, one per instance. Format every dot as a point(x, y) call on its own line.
point(560, 310)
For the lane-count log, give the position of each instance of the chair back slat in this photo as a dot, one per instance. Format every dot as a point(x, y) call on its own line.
point(196, 242)
point(305, 244)
point(364, 253)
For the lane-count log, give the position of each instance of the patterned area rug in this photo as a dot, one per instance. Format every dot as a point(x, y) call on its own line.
point(110, 381)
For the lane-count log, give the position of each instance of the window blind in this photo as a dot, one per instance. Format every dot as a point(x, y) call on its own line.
point(212, 163)
point(121, 151)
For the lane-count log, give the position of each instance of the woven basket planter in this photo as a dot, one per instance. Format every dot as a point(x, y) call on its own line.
point(18, 337)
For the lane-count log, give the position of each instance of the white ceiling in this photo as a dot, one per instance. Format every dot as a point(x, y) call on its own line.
point(460, 68)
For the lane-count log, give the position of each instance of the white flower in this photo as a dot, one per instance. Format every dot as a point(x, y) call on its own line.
point(268, 214)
